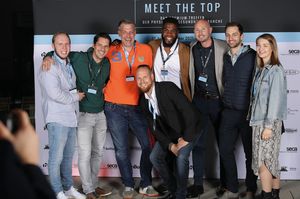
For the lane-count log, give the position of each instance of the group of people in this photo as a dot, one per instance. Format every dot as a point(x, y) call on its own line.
point(173, 91)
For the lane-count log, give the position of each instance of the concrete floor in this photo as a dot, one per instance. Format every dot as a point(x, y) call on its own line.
point(289, 189)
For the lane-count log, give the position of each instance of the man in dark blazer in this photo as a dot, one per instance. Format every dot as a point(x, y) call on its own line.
point(176, 125)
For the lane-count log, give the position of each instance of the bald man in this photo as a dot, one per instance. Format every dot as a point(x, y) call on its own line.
point(205, 72)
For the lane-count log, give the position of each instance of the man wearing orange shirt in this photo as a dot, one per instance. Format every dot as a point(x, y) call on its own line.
point(121, 96)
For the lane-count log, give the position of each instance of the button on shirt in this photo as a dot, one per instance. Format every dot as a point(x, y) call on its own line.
point(172, 65)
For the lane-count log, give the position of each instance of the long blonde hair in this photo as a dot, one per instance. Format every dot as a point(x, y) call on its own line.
point(274, 56)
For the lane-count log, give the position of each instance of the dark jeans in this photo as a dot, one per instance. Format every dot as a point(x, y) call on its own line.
point(121, 118)
point(233, 124)
point(211, 112)
point(175, 178)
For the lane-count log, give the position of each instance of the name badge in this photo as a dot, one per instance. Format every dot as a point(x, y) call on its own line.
point(164, 72)
point(92, 90)
point(202, 78)
point(73, 90)
point(129, 78)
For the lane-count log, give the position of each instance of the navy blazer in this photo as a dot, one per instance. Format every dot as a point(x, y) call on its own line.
point(178, 116)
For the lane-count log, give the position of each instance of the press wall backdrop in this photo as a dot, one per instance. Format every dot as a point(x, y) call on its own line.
point(82, 19)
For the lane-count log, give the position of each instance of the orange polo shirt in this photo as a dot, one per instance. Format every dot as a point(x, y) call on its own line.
point(119, 90)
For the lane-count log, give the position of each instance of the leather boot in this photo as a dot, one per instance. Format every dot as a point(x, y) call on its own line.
point(266, 195)
point(275, 193)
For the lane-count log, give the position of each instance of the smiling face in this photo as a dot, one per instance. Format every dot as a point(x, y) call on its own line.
point(144, 79)
point(61, 45)
point(169, 34)
point(264, 49)
point(127, 34)
point(202, 31)
point(233, 36)
point(101, 48)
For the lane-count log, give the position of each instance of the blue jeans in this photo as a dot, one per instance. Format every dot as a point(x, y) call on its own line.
point(61, 149)
point(121, 118)
point(175, 180)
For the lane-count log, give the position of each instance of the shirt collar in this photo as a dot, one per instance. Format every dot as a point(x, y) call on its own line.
point(153, 94)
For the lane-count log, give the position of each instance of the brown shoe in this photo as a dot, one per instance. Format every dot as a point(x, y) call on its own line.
point(91, 196)
point(102, 192)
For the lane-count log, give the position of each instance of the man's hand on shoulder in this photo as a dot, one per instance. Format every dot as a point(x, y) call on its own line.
point(47, 62)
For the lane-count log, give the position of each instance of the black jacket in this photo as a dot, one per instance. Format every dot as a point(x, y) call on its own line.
point(237, 80)
point(19, 180)
point(178, 117)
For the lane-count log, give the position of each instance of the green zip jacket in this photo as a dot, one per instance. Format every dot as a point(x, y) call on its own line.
point(81, 62)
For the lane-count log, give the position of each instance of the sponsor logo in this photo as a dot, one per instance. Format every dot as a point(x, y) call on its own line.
point(284, 168)
point(292, 52)
point(291, 149)
point(293, 168)
point(45, 165)
point(109, 148)
point(292, 111)
point(46, 147)
point(111, 166)
point(135, 166)
point(291, 130)
point(292, 91)
point(292, 72)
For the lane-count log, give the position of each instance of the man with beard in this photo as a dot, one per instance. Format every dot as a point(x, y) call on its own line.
point(239, 64)
point(206, 66)
point(59, 103)
point(171, 57)
point(175, 124)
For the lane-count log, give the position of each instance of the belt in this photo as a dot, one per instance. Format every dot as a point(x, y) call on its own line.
point(122, 105)
point(208, 96)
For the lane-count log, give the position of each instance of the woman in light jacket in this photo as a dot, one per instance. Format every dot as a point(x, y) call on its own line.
point(268, 110)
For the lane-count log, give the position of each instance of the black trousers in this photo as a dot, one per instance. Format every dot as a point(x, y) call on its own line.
point(234, 123)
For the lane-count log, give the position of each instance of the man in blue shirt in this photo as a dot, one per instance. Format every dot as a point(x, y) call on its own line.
point(60, 102)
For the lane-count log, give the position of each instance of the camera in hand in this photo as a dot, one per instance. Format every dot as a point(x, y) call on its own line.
point(12, 121)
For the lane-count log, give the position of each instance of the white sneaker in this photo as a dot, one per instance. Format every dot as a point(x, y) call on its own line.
point(61, 195)
point(148, 191)
point(73, 193)
point(128, 193)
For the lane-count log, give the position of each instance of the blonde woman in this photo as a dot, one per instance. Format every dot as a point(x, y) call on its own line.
point(268, 110)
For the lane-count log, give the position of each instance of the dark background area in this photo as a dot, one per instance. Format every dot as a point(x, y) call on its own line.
point(91, 16)
point(16, 68)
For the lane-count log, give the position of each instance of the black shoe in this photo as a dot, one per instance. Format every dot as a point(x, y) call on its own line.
point(220, 191)
point(275, 193)
point(162, 189)
point(194, 191)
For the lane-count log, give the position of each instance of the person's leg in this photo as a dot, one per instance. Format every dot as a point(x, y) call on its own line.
point(198, 151)
point(158, 159)
point(265, 178)
point(246, 137)
point(84, 137)
point(66, 165)
point(215, 111)
point(57, 137)
point(117, 123)
point(228, 135)
point(182, 170)
point(138, 126)
point(98, 141)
